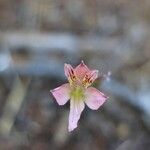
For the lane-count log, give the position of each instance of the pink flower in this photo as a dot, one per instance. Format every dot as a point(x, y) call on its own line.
point(79, 92)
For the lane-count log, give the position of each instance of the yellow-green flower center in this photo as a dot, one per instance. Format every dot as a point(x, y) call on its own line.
point(77, 93)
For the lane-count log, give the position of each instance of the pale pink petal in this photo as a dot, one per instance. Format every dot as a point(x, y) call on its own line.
point(94, 98)
point(76, 108)
point(90, 77)
point(69, 72)
point(81, 70)
point(61, 93)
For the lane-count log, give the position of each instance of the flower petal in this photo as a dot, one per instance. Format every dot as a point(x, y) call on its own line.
point(69, 72)
point(76, 108)
point(81, 70)
point(90, 77)
point(61, 93)
point(94, 98)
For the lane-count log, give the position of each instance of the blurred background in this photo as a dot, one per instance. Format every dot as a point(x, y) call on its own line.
point(38, 36)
